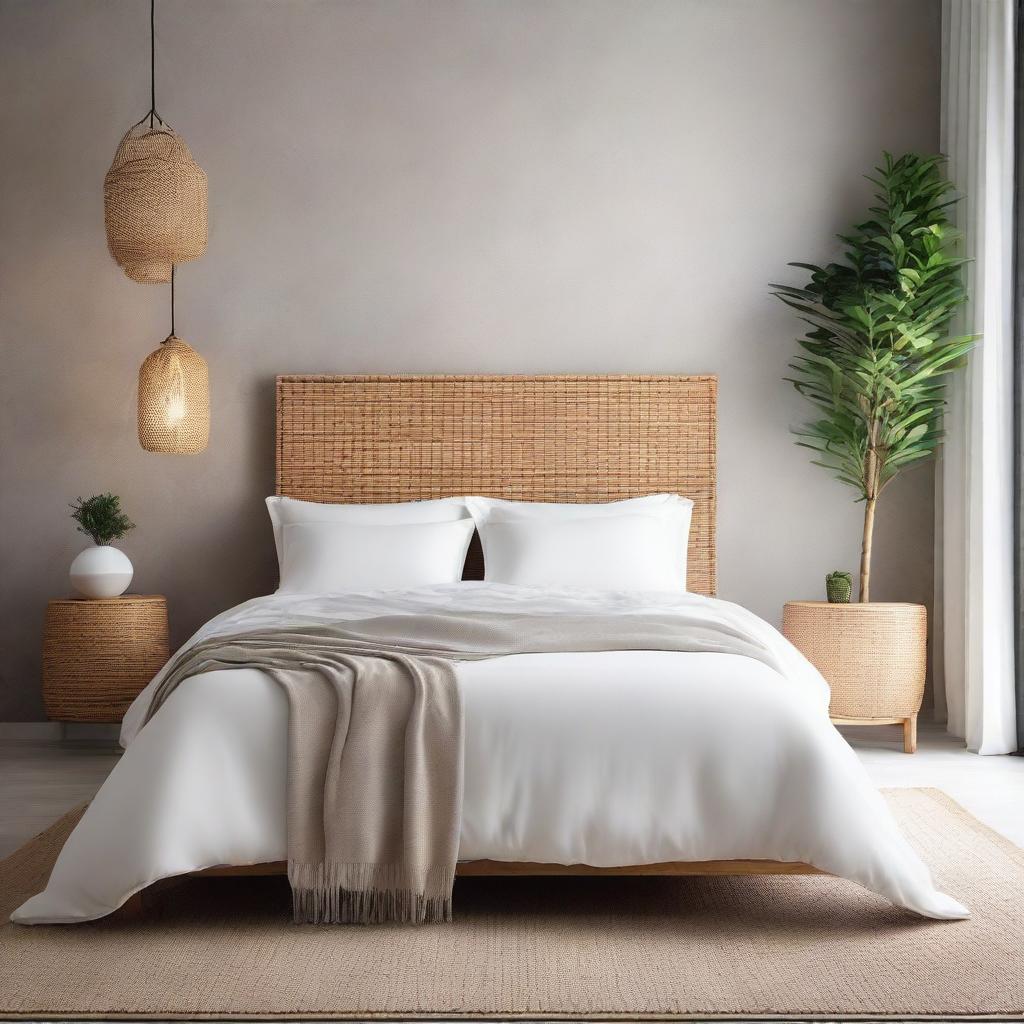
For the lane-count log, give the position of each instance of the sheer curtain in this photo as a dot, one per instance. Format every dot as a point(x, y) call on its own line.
point(974, 642)
point(1018, 359)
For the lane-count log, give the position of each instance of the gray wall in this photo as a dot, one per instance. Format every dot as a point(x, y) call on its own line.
point(441, 185)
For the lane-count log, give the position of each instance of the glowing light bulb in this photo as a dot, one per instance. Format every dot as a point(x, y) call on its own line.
point(174, 411)
point(174, 399)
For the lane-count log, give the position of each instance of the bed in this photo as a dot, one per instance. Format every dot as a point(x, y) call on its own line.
point(567, 771)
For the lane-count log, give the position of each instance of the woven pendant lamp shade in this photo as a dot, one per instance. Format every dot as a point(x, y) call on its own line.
point(174, 400)
point(155, 199)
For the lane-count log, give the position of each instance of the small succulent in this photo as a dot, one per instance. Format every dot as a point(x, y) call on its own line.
point(101, 518)
point(838, 587)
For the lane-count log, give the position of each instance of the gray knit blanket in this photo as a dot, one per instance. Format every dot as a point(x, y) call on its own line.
point(375, 738)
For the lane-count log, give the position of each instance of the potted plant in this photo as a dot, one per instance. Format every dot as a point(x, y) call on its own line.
point(101, 571)
point(873, 364)
point(838, 587)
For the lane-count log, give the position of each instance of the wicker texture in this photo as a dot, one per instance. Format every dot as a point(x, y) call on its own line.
point(551, 438)
point(874, 656)
point(155, 200)
point(98, 655)
point(174, 400)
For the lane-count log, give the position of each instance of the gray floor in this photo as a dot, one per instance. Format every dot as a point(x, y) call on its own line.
point(41, 778)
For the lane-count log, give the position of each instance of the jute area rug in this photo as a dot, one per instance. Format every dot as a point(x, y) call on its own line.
point(545, 948)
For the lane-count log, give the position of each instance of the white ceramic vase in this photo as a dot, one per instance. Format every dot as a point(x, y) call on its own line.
point(101, 571)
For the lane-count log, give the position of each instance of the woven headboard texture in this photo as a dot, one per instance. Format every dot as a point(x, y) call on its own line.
point(545, 438)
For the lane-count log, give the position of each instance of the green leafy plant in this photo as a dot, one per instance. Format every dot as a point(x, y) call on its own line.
point(874, 362)
point(838, 587)
point(101, 518)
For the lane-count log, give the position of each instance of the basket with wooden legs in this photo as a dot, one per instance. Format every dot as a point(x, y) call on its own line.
point(874, 656)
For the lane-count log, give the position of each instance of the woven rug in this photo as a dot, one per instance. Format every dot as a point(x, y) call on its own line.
point(545, 948)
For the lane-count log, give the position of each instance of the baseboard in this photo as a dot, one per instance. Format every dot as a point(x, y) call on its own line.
point(106, 733)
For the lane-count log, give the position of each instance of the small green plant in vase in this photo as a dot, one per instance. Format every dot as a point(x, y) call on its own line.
point(838, 587)
point(101, 571)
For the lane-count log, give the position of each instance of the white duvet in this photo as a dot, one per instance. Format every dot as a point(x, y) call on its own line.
point(602, 758)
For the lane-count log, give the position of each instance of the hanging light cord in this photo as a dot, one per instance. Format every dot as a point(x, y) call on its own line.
point(152, 63)
point(171, 335)
point(152, 114)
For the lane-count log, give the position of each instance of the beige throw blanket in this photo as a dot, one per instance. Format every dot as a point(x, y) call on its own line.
point(375, 739)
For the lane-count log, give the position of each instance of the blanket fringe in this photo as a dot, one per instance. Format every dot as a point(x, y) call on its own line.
point(369, 894)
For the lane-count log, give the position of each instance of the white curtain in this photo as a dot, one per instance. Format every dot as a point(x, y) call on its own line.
point(974, 670)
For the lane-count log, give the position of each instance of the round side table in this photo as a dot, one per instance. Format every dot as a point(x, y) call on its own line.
point(99, 654)
point(874, 657)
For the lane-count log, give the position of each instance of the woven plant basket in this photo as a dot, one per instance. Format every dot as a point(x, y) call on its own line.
point(174, 400)
point(874, 656)
point(154, 199)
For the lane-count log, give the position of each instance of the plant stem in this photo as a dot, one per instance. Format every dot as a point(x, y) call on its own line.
point(865, 550)
point(872, 486)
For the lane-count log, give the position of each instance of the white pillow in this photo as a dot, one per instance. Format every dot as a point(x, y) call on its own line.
point(482, 509)
point(325, 558)
point(292, 510)
point(630, 552)
point(672, 508)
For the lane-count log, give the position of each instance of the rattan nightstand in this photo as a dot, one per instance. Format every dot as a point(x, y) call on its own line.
point(98, 655)
point(874, 657)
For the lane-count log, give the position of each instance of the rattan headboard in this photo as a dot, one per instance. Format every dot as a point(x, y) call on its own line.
point(551, 438)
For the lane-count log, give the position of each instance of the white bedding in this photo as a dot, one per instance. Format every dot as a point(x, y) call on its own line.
point(600, 758)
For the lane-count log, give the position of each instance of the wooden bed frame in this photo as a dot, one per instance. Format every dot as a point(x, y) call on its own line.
point(547, 438)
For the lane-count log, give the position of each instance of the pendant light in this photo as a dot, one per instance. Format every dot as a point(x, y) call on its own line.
point(174, 397)
point(154, 195)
